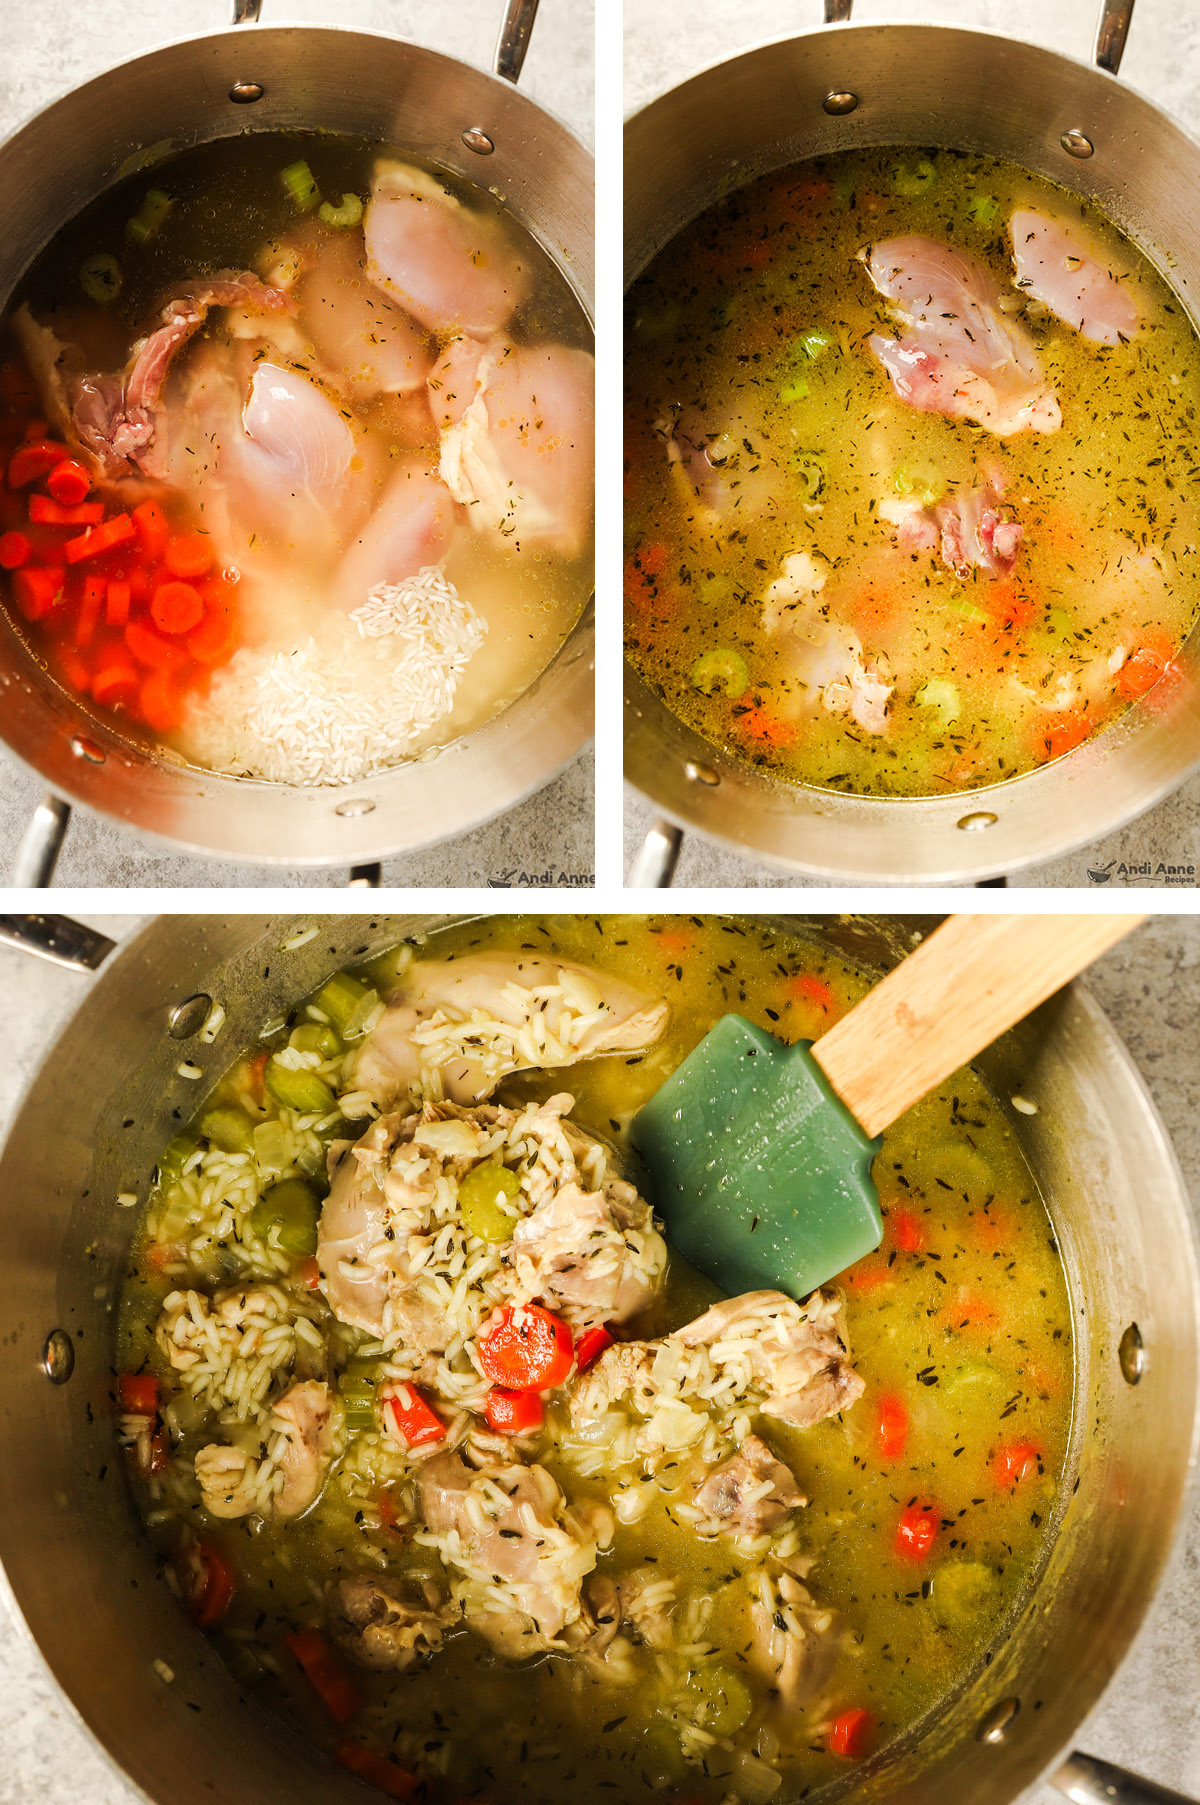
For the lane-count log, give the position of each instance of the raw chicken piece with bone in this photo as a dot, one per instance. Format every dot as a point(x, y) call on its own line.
point(450, 267)
point(1059, 265)
point(825, 656)
point(968, 530)
point(517, 430)
point(476, 1019)
point(364, 339)
point(960, 355)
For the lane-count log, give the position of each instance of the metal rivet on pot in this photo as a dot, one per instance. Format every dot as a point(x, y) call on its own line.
point(355, 805)
point(701, 774)
point(245, 93)
point(1132, 1355)
point(1076, 144)
point(840, 101)
point(998, 1722)
point(85, 748)
point(187, 1018)
point(975, 824)
point(476, 139)
point(58, 1357)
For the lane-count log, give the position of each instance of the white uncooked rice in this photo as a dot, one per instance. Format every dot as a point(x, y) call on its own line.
point(354, 701)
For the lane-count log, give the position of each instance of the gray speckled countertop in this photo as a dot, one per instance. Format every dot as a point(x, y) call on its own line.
point(666, 40)
point(1148, 1718)
point(52, 46)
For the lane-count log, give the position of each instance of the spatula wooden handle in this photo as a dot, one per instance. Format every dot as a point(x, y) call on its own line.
point(974, 977)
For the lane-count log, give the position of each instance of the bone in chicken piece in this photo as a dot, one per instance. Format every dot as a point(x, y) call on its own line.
point(594, 1256)
point(518, 438)
point(365, 341)
point(383, 1622)
point(410, 528)
point(822, 654)
point(230, 1477)
point(747, 1495)
point(968, 530)
point(1059, 265)
point(452, 268)
point(960, 355)
point(296, 435)
point(795, 1352)
point(595, 1012)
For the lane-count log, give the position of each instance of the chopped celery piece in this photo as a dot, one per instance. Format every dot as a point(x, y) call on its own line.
point(662, 1754)
point(963, 1592)
point(939, 693)
point(720, 1702)
point(315, 1037)
point(796, 390)
point(300, 183)
point(358, 1402)
point(970, 610)
point(348, 214)
point(244, 1665)
point(175, 1157)
point(272, 1147)
point(844, 188)
point(149, 216)
point(721, 669)
point(287, 1214)
point(478, 1195)
point(985, 208)
point(100, 277)
point(913, 179)
point(1059, 621)
point(811, 471)
point(971, 1381)
point(339, 997)
point(230, 1129)
point(298, 1087)
point(925, 484)
point(813, 343)
point(657, 322)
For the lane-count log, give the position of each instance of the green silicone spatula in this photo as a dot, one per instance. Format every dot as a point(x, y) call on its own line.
point(759, 1154)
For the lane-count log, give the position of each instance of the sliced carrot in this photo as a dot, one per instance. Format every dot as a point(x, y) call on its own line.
point(215, 640)
point(74, 668)
point(98, 539)
point(176, 607)
point(764, 725)
point(1062, 733)
point(812, 990)
point(38, 589)
point(45, 511)
point(1140, 672)
point(138, 1393)
point(189, 555)
point(69, 482)
point(1012, 1463)
point(88, 617)
point(152, 530)
point(869, 1274)
point(151, 648)
point(891, 1428)
point(115, 679)
point(210, 1605)
point(385, 1776)
point(967, 1311)
point(323, 1672)
point(17, 387)
point(33, 459)
point(906, 1230)
point(917, 1529)
point(116, 611)
point(15, 550)
point(651, 558)
point(159, 702)
point(851, 1733)
point(307, 1272)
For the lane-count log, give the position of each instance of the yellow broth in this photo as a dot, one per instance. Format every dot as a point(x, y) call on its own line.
point(810, 441)
point(962, 1316)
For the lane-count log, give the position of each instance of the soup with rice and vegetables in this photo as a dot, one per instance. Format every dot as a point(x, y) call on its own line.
point(295, 457)
point(463, 1468)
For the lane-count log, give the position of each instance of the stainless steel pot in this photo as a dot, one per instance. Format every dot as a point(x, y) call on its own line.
point(328, 78)
point(855, 85)
point(83, 1576)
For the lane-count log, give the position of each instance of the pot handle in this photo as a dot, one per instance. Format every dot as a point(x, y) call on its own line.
point(1111, 33)
point(513, 42)
point(1091, 1782)
point(41, 843)
point(57, 938)
point(657, 857)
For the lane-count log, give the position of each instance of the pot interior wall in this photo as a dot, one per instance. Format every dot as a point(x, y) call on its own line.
point(331, 80)
point(917, 85)
point(84, 1578)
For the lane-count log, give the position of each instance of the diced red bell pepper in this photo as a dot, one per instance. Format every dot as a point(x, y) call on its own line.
point(33, 459)
point(416, 1424)
point(115, 679)
point(591, 1345)
point(116, 609)
point(44, 511)
point(851, 1733)
point(69, 482)
point(513, 1412)
point(38, 589)
point(138, 1393)
point(99, 539)
point(891, 1429)
point(150, 524)
point(323, 1672)
point(90, 604)
point(1012, 1463)
point(15, 550)
point(385, 1776)
point(526, 1348)
point(151, 648)
point(917, 1529)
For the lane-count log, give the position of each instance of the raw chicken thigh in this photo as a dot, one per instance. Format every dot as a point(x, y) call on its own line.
point(449, 266)
point(1058, 265)
point(367, 343)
